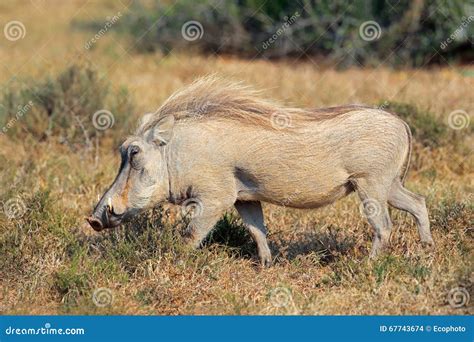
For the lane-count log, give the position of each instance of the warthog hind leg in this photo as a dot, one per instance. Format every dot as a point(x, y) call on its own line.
point(402, 199)
point(374, 207)
point(252, 216)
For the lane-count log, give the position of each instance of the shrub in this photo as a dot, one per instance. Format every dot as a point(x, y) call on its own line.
point(424, 125)
point(451, 213)
point(63, 107)
point(410, 30)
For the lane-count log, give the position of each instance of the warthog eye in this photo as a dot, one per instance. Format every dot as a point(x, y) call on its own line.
point(134, 150)
point(134, 161)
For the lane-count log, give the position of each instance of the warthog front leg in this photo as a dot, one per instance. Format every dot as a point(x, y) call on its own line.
point(199, 227)
point(204, 217)
point(252, 216)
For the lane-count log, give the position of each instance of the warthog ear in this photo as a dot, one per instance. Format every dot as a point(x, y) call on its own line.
point(162, 132)
point(145, 118)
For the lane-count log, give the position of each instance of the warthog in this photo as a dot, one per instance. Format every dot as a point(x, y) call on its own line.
point(218, 144)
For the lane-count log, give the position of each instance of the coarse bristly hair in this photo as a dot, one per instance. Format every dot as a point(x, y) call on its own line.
point(211, 97)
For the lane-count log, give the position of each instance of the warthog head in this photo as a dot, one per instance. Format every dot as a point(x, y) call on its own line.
point(142, 180)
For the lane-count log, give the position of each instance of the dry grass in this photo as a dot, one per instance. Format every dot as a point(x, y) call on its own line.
point(51, 262)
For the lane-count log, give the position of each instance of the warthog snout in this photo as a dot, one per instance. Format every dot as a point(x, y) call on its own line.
point(104, 217)
point(95, 223)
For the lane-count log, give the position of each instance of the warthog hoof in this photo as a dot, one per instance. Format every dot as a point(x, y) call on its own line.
point(266, 259)
point(428, 244)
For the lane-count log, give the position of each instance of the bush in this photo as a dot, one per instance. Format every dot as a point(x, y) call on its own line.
point(64, 107)
point(410, 31)
point(425, 127)
point(451, 213)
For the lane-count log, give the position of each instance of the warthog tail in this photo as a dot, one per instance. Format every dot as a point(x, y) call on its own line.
point(406, 167)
